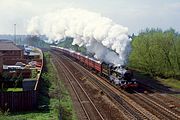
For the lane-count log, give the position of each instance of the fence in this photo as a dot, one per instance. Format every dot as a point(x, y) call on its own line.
point(18, 101)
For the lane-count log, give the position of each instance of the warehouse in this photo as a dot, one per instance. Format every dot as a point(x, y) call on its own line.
point(10, 51)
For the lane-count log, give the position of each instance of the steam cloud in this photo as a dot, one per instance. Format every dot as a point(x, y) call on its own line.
point(100, 35)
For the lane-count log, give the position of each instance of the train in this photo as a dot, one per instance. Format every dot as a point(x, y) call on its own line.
point(118, 75)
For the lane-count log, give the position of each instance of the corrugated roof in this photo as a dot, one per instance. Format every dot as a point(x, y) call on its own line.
point(8, 46)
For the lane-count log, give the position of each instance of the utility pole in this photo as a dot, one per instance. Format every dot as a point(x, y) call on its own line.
point(15, 33)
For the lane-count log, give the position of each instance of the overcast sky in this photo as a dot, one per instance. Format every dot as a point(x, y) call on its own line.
point(134, 14)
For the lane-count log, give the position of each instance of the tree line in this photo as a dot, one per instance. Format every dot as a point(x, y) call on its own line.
point(156, 52)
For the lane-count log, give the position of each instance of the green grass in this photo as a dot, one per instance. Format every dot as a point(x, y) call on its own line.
point(173, 83)
point(15, 89)
point(53, 95)
point(36, 115)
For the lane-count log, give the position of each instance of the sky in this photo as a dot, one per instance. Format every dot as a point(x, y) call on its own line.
point(137, 15)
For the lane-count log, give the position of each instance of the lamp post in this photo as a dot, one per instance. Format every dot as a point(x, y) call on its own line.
point(15, 33)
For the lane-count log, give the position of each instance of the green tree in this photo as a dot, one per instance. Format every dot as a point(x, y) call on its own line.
point(156, 52)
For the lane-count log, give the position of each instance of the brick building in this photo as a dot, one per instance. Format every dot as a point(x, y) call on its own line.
point(10, 51)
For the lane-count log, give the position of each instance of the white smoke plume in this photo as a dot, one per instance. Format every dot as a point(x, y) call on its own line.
point(100, 35)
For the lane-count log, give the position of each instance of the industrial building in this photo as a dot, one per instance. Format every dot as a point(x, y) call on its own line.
point(10, 51)
point(9, 54)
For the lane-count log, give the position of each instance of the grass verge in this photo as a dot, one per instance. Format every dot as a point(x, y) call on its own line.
point(173, 83)
point(170, 82)
point(15, 89)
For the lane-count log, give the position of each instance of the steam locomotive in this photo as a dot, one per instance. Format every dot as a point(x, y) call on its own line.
point(117, 75)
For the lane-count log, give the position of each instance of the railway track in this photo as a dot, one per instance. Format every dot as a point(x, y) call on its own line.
point(130, 108)
point(163, 96)
point(158, 110)
point(170, 101)
point(133, 110)
point(89, 108)
point(166, 99)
